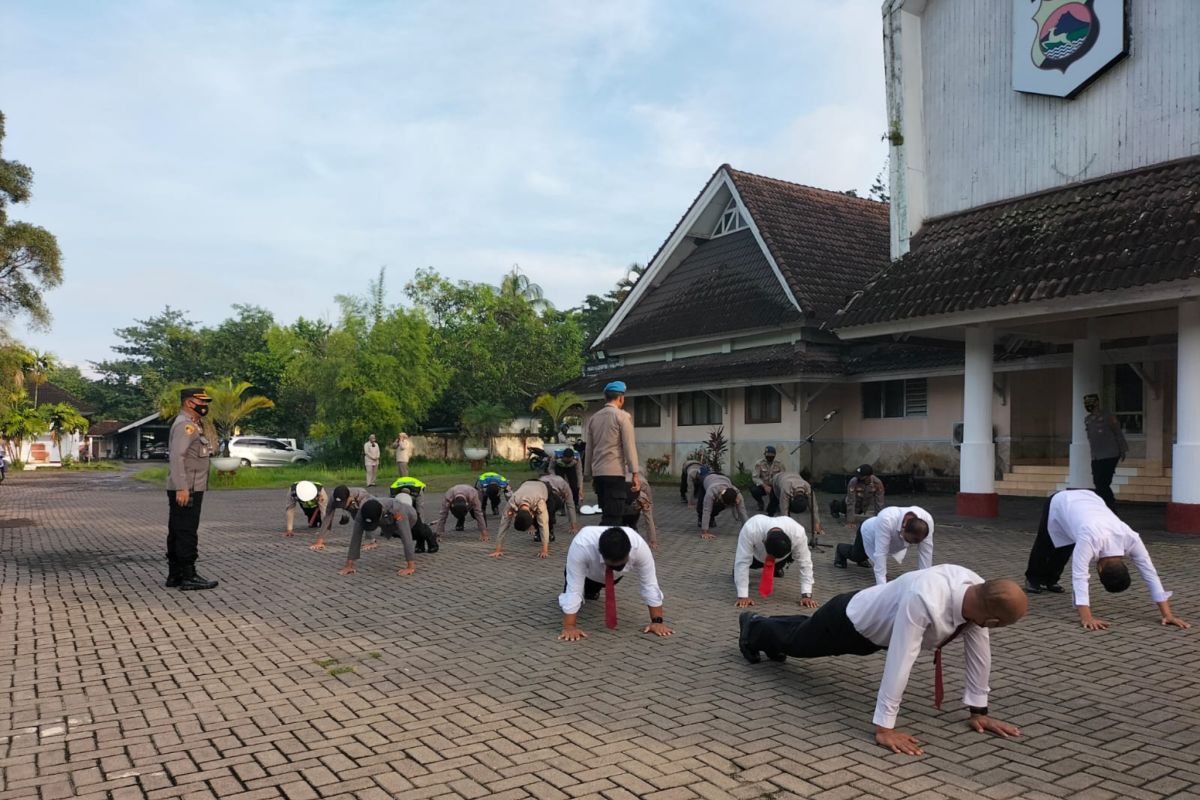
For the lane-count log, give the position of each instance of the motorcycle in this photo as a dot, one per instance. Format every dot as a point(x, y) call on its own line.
point(539, 460)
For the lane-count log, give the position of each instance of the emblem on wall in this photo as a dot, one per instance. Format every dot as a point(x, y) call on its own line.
point(1060, 46)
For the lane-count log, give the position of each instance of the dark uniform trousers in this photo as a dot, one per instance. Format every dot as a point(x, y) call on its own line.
point(828, 632)
point(760, 492)
point(1047, 562)
point(1103, 470)
point(183, 522)
point(717, 508)
point(569, 475)
point(491, 494)
point(611, 494)
point(591, 588)
point(554, 505)
point(853, 552)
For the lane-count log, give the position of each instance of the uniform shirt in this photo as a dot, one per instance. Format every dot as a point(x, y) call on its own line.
point(584, 561)
point(488, 478)
point(714, 484)
point(692, 469)
point(354, 502)
point(1104, 435)
point(610, 444)
point(371, 453)
point(398, 518)
point(474, 507)
point(920, 611)
point(765, 472)
point(881, 538)
point(562, 489)
point(566, 470)
point(187, 455)
point(643, 503)
point(867, 491)
point(321, 500)
point(1080, 517)
point(789, 485)
point(752, 544)
point(535, 494)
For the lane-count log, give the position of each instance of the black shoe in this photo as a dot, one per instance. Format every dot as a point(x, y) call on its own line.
point(552, 536)
point(459, 527)
point(591, 596)
point(173, 581)
point(839, 562)
point(419, 547)
point(195, 583)
point(780, 569)
point(1054, 588)
point(744, 637)
point(1034, 588)
point(761, 509)
point(433, 547)
point(864, 564)
point(778, 658)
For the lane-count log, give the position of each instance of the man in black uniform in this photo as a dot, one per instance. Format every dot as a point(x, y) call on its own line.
point(187, 479)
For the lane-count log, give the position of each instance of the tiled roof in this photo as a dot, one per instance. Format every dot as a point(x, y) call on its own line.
point(49, 394)
point(724, 285)
point(104, 428)
point(1110, 234)
point(827, 244)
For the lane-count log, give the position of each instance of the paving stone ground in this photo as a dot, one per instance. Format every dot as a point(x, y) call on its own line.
point(113, 687)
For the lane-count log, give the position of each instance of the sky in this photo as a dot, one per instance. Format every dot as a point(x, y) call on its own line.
point(201, 154)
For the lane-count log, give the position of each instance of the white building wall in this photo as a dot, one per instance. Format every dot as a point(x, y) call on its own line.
point(985, 142)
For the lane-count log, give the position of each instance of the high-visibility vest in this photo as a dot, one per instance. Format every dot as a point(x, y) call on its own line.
point(493, 477)
point(308, 505)
point(414, 485)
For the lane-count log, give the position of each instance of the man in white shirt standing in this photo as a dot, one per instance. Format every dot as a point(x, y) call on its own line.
point(371, 459)
point(770, 544)
point(922, 610)
point(1078, 526)
point(889, 533)
point(598, 558)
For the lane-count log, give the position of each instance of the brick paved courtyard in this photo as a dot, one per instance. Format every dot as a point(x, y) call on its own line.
point(114, 687)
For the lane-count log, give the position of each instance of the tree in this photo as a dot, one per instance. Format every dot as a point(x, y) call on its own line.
point(62, 418)
point(229, 406)
point(556, 406)
point(21, 423)
point(879, 188)
point(516, 284)
point(38, 366)
point(30, 261)
point(481, 421)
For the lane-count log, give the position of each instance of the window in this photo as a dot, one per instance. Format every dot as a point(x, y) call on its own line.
point(886, 399)
point(762, 405)
point(646, 413)
point(697, 408)
point(1128, 398)
point(731, 220)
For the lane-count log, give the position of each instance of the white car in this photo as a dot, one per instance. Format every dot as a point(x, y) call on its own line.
point(263, 451)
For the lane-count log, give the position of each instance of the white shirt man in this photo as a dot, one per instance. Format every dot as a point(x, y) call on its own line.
point(883, 535)
point(752, 549)
point(592, 553)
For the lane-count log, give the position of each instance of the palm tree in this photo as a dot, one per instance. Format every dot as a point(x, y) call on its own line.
point(482, 420)
point(516, 284)
point(228, 406)
point(20, 424)
point(63, 418)
point(39, 364)
point(556, 406)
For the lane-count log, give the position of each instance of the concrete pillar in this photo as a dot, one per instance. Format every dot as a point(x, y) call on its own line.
point(1183, 512)
point(977, 480)
point(1152, 420)
point(1085, 379)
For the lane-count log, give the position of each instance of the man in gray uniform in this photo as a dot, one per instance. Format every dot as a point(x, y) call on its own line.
point(864, 496)
point(526, 508)
point(611, 454)
point(795, 495)
point(187, 480)
point(348, 500)
point(641, 503)
point(461, 500)
point(690, 475)
point(392, 517)
point(1108, 447)
point(718, 493)
point(559, 497)
point(763, 478)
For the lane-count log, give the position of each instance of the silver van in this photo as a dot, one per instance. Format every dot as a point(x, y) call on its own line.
point(262, 451)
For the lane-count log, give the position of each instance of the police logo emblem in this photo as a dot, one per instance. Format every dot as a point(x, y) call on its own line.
point(1060, 46)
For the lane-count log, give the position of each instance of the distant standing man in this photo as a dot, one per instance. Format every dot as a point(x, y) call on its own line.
point(612, 453)
point(187, 480)
point(1108, 447)
point(403, 446)
point(371, 459)
point(763, 477)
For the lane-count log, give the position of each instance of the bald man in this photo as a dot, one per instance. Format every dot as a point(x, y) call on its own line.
point(921, 610)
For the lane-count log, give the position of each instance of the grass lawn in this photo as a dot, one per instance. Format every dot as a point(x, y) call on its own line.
point(438, 475)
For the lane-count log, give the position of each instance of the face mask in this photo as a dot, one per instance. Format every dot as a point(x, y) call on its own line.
point(202, 409)
point(770, 459)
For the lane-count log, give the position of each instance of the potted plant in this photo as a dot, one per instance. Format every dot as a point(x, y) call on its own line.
point(227, 409)
point(481, 421)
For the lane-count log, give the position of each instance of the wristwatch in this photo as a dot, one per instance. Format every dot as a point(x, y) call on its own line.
point(806, 595)
point(978, 711)
point(656, 620)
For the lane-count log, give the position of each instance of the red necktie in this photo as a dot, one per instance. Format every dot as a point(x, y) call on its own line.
point(767, 583)
point(938, 692)
point(610, 599)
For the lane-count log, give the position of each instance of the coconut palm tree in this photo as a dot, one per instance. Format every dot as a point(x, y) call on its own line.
point(516, 284)
point(63, 418)
point(38, 365)
point(228, 407)
point(556, 406)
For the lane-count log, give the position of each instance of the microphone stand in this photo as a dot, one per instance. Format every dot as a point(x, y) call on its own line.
point(812, 540)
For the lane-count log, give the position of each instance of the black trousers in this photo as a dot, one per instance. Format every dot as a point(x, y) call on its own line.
point(553, 506)
point(611, 494)
point(759, 493)
point(683, 485)
point(459, 519)
point(1103, 470)
point(491, 494)
point(853, 552)
point(572, 479)
point(183, 524)
point(591, 588)
point(828, 632)
point(631, 520)
point(314, 516)
point(1046, 562)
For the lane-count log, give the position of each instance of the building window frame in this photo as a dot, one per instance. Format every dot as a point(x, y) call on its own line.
point(646, 413)
point(697, 408)
point(763, 406)
point(895, 399)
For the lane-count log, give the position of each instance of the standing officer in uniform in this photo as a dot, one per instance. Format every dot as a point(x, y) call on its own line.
point(371, 459)
point(1107, 444)
point(612, 453)
point(765, 470)
point(187, 479)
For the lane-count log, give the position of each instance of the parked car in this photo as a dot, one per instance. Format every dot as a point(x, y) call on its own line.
point(156, 450)
point(262, 451)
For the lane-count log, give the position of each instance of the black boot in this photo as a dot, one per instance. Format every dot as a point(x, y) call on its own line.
point(173, 575)
point(433, 546)
point(190, 581)
point(419, 546)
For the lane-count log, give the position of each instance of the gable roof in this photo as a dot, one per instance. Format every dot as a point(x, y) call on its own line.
point(49, 394)
point(819, 246)
point(104, 427)
point(1109, 234)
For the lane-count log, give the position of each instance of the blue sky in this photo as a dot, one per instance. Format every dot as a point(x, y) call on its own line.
point(200, 154)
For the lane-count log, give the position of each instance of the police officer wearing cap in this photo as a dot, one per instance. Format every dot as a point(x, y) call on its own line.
point(612, 454)
point(187, 480)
